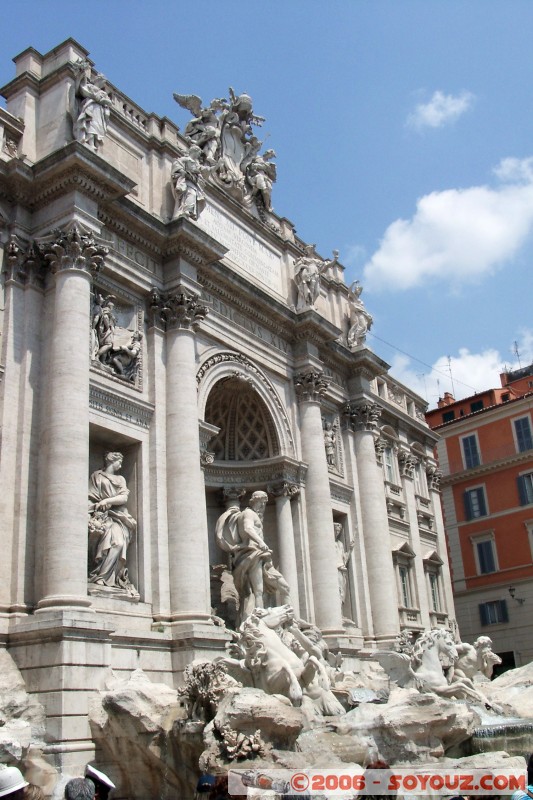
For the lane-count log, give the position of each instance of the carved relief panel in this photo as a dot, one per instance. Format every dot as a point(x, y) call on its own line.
point(117, 334)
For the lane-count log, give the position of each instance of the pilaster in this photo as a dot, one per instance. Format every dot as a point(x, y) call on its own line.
point(284, 492)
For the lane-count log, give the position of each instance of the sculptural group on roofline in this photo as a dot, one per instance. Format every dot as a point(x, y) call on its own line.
point(226, 153)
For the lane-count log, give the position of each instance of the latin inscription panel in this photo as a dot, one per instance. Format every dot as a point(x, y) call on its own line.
point(245, 250)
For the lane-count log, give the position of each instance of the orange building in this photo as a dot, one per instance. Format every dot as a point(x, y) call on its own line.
point(486, 458)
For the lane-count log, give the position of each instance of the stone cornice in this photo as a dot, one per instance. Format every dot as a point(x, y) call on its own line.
point(236, 291)
point(128, 409)
point(256, 474)
point(341, 492)
point(494, 466)
point(311, 327)
point(73, 166)
point(186, 239)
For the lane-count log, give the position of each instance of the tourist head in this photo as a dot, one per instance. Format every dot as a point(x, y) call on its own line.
point(11, 783)
point(103, 784)
point(80, 789)
point(32, 792)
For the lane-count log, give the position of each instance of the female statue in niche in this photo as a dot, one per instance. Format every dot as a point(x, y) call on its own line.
point(111, 527)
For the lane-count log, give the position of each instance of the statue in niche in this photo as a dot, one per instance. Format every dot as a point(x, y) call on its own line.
point(330, 441)
point(240, 533)
point(111, 527)
point(307, 271)
point(260, 175)
point(343, 556)
point(92, 114)
point(186, 184)
point(114, 349)
point(360, 319)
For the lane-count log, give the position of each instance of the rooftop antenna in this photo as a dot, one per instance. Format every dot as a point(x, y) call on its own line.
point(423, 376)
point(451, 376)
point(517, 354)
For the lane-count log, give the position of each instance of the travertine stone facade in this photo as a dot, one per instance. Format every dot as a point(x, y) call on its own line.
point(164, 329)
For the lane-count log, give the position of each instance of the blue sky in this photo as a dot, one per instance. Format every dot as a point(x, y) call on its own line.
point(404, 139)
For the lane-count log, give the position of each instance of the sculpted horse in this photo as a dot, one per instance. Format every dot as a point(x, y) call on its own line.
point(433, 663)
point(290, 669)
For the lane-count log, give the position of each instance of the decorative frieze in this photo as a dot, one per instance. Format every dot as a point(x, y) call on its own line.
point(363, 415)
point(125, 409)
point(177, 310)
point(311, 386)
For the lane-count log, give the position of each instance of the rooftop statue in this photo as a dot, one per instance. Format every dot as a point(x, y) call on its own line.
point(229, 150)
point(307, 271)
point(360, 319)
point(91, 106)
point(186, 184)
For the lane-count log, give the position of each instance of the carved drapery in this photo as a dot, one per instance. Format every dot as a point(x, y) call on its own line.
point(363, 416)
point(311, 386)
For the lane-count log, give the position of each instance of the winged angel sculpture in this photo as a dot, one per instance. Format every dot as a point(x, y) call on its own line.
point(229, 151)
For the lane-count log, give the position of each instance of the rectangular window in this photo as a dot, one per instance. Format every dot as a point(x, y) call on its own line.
point(493, 612)
point(523, 434)
point(485, 556)
point(477, 405)
point(434, 586)
point(475, 504)
point(525, 488)
point(447, 416)
point(388, 464)
point(470, 452)
point(404, 584)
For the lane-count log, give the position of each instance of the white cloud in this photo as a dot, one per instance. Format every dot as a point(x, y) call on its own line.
point(470, 372)
point(442, 109)
point(457, 235)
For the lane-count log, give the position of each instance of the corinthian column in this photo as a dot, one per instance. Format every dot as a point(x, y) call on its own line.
point(74, 257)
point(284, 492)
point(190, 600)
point(363, 418)
point(310, 388)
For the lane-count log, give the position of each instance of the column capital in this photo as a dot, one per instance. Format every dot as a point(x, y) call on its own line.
point(434, 477)
point(24, 266)
point(284, 489)
point(311, 386)
point(178, 309)
point(408, 462)
point(231, 495)
point(73, 249)
point(363, 415)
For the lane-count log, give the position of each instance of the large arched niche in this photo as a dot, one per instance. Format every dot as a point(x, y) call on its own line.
point(237, 397)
